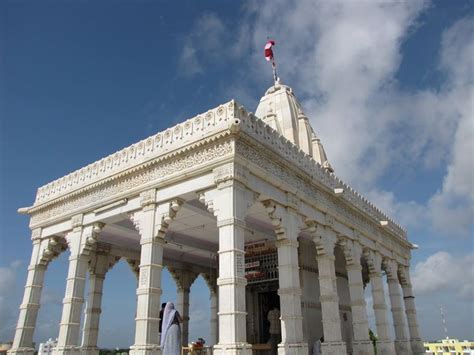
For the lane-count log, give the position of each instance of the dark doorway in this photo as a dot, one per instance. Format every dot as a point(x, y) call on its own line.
point(266, 301)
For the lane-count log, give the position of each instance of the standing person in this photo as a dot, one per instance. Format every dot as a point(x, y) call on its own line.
point(317, 346)
point(163, 305)
point(273, 317)
point(171, 331)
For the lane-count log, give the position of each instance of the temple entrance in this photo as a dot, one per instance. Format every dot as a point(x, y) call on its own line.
point(266, 302)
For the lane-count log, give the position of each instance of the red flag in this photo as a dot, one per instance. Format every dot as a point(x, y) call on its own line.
point(268, 50)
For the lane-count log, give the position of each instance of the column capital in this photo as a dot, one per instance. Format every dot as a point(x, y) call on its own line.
point(154, 218)
point(49, 249)
point(374, 260)
point(286, 222)
point(183, 277)
point(352, 251)
point(323, 237)
point(390, 266)
point(217, 200)
point(82, 239)
point(101, 262)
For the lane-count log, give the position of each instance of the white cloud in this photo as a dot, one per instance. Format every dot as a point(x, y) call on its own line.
point(445, 273)
point(207, 36)
point(342, 58)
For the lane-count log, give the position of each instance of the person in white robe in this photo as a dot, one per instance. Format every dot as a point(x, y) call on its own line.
point(171, 331)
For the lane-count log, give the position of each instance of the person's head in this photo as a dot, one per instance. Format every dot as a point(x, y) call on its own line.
point(322, 339)
point(169, 306)
point(163, 305)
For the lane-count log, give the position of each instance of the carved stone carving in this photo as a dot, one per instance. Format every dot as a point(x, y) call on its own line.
point(128, 180)
point(51, 249)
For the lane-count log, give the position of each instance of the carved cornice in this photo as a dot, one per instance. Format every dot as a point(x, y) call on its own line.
point(343, 210)
point(129, 180)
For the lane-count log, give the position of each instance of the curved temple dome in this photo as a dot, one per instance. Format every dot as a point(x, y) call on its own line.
point(281, 110)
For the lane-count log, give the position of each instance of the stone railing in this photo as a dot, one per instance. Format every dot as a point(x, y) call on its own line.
point(172, 138)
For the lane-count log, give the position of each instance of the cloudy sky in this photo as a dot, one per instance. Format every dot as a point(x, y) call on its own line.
point(388, 87)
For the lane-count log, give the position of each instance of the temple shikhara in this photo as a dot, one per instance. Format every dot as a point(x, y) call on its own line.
point(251, 203)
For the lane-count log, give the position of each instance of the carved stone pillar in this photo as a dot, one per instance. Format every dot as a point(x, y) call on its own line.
point(100, 263)
point(152, 222)
point(325, 240)
point(384, 344)
point(229, 203)
point(361, 343)
point(287, 226)
point(184, 279)
point(402, 344)
point(213, 326)
point(43, 252)
point(81, 241)
point(410, 310)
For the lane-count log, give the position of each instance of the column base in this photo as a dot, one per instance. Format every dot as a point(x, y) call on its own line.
point(67, 350)
point(293, 349)
point(145, 350)
point(232, 349)
point(362, 347)
point(21, 351)
point(385, 347)
point(402, 347)
point(333, 348)
point(90, 350)
point(417, 346)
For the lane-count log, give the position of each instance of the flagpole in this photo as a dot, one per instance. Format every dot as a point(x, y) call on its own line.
point(275, 77)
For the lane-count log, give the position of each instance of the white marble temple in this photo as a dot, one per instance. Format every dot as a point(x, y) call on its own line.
point(189, 199)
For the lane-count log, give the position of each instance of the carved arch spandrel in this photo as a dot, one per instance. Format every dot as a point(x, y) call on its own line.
point(50, 249)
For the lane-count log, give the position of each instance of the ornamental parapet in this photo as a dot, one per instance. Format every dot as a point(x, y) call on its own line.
point(191, 130)
point(157, 156)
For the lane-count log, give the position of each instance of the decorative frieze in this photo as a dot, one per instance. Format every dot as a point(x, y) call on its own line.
point(147, 173)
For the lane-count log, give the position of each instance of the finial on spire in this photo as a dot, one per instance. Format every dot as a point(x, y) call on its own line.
point(270, 58)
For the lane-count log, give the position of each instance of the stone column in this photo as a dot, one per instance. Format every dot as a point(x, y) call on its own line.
point(99, 264)
point(384, 344)
point(229, 203)
point(361, 343)
point(81, 240)
point(213, 321)
point(325, 239)
point(152, 222)
point(184, 279)
point(402, 344)
point(213, 326)
point(410, 310)
point(43, 252)
point(287, 224)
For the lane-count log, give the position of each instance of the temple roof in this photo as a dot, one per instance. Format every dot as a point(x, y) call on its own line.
point(280, 109)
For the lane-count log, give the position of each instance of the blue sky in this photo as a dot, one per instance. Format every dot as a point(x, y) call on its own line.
point(387, 86)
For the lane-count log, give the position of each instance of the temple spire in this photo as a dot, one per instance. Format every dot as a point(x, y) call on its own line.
point(280, 109)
